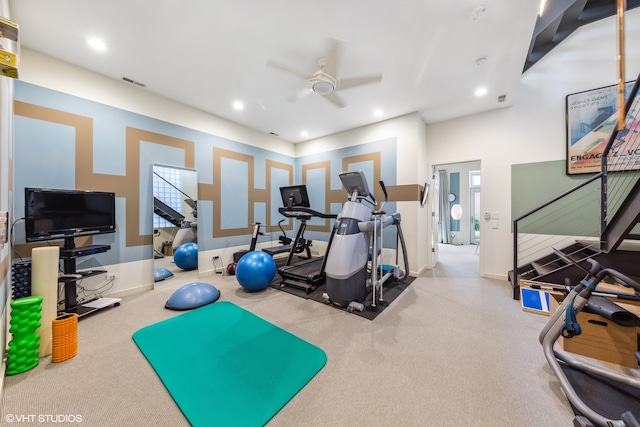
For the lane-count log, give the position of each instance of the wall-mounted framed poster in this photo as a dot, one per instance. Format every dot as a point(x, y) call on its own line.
point(591, 118)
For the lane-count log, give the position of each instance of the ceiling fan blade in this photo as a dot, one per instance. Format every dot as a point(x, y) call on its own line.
point(300, 94)
point(332, 61)
point(334, 99)
point(289, 69)
point(359, 81)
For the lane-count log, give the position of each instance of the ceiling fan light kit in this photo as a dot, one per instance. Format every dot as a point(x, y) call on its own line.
point(323, 84)
point(324, 81)
point(323, 88)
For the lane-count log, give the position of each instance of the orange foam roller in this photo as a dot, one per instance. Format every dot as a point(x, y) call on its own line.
point(65, 337)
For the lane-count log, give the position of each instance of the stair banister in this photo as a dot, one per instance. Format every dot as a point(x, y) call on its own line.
point(516, 276)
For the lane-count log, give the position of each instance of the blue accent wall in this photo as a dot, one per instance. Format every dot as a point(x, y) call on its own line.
point(46, 155)
point(454, 188)
point(387, 150)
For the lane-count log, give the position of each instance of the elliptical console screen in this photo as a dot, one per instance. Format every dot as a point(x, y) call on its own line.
point(295, 195)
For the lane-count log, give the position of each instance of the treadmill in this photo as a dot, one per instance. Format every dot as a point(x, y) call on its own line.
point(309, 273)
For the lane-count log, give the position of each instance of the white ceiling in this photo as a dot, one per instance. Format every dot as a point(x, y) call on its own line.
point(432, 54)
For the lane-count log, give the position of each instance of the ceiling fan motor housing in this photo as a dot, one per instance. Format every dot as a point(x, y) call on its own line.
point(322, 83)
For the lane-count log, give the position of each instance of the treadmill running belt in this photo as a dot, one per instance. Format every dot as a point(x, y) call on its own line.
point(308, 270)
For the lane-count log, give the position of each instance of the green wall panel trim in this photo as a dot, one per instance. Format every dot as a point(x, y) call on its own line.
point(533, 184)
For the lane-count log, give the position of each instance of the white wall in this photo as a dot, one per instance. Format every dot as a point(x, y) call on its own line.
point(6, 204)
point(533, 130)
point(530, 131)
point(45, 71)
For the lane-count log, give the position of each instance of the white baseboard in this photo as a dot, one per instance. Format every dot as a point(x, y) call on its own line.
point(503, 277)
point(130, 291)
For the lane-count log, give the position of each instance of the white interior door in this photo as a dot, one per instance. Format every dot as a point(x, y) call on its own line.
point(475, 183)
point(474, 209)
point(435, 218)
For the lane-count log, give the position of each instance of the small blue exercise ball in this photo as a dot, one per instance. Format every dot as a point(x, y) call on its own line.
point(255, 270)
point(186, 256)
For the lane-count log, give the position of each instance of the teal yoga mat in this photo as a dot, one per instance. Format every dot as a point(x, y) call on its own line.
point(225, 366)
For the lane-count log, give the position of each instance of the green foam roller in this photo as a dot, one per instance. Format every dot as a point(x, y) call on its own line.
point(23, 348)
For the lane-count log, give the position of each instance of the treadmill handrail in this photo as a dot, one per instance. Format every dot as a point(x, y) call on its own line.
point(300, 211)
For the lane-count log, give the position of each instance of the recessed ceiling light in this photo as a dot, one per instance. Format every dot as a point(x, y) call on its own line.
point(304, 133)
point(97, 44)
point(481, 91)
point(238, 105)
point(378, 112)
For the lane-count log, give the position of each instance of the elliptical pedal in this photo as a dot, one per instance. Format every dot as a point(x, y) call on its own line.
point(580, 421)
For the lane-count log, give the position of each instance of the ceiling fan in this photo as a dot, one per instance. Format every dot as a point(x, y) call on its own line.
point(324, 81)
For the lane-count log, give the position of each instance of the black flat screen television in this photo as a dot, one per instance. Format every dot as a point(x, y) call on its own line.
point(52, 214)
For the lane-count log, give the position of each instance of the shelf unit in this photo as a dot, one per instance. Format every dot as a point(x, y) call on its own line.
point(70, 283)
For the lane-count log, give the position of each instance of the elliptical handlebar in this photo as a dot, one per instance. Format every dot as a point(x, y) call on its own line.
point(563, 322)
point(386, 196)
point(369, 198)
point(302, 211)
point(598, 273)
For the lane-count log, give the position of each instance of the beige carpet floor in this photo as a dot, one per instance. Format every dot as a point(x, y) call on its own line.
point(453, 350)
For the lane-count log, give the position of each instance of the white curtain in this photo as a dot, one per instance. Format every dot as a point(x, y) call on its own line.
point(445, 208)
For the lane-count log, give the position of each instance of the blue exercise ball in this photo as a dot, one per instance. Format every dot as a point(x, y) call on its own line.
point(255, 270)
point(186, 256)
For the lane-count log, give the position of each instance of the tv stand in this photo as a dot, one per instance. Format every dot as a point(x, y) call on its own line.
point(69, 253)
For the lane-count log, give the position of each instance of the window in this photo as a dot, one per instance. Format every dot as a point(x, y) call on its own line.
point(167, 187)
point(474, 179)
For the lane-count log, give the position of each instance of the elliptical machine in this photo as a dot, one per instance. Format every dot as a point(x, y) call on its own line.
point(564, 323)
point(357, 240)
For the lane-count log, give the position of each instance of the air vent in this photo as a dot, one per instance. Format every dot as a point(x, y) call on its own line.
point(133, 82)
point(502, 98)
point(273, 133)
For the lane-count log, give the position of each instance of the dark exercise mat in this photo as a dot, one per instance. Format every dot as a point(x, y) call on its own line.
point(392, 290)
point(608, 398)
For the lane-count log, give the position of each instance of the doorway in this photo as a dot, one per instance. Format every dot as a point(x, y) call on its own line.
point(458, 228)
